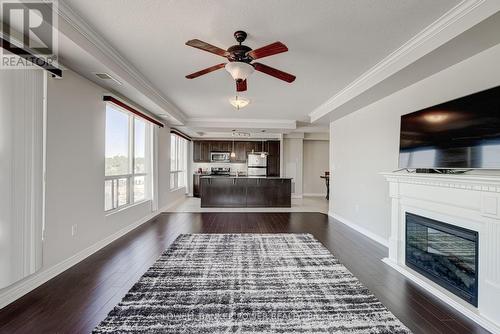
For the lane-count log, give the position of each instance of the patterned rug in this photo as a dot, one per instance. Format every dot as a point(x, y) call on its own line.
point(249, 283)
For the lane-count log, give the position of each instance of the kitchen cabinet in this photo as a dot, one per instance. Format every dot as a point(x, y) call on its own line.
point(221, 146)
point(227, 190)
point(201, 151)
point(273, 158)
point(203, 148)
point(254, 146)
point(231, 192)
point(240, 149)
point(196, 185)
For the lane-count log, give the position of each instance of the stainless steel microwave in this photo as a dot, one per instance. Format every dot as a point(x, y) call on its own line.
point(220, 157)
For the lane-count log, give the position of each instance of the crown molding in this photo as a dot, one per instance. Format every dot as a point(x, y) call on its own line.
point(454, 22)
point(134, 77)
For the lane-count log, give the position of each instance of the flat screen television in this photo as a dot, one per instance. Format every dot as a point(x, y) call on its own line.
point(459, 134)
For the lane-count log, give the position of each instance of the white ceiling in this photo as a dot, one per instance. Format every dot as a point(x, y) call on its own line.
point(331, 43)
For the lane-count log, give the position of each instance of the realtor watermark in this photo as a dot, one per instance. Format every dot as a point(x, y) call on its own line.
point(29, 34)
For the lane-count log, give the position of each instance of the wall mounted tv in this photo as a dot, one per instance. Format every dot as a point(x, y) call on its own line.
point(459, 134)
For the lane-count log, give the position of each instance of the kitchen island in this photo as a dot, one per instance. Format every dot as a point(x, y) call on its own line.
point(245, 192)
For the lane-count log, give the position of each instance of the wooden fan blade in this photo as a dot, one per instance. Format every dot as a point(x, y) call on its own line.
point(196, 43)
point(268, 50)
point(274, 72)
point(205, 71)
point(241, 86)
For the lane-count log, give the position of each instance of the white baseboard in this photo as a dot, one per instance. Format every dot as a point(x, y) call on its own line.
point(360, 229)
point(297, 196)
point(19, 289)
point(474, 316)
point(314, 195)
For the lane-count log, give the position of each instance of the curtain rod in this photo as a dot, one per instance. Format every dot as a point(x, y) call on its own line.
point(119, 103)
point(180, 134)
point(28, 56)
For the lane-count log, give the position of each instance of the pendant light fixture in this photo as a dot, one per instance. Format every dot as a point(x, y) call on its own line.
point(233, 154)
point(262, 153)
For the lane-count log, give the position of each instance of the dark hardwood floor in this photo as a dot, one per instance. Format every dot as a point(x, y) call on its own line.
point(78, 299)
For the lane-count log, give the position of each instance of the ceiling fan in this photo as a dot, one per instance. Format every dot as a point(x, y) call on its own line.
point(241, 58)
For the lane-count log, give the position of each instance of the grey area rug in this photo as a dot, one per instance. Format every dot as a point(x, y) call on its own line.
point(249, 283)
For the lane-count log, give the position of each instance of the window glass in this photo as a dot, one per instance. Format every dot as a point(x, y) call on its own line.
point(117, 142)
point(127, 159)
point(139, 188)
point(139, 146)
point(178, 162)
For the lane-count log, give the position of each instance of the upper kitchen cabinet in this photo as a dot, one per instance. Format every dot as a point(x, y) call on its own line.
point(253, 146)
point(201, 151)
point(273, 158)
point(203, 148)
point(220, 146)
point(240, 149)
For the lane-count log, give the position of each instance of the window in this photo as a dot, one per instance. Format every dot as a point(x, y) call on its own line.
point(128, 159)
point(178, 162)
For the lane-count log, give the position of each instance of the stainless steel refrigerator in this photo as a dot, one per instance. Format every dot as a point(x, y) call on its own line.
point(257, 164)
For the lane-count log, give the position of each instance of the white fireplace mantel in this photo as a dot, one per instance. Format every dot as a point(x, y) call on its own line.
point(469, 201)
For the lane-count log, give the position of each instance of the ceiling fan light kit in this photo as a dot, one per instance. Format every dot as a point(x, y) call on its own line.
point(239, 70)
point(239, 102)
point(241, 58)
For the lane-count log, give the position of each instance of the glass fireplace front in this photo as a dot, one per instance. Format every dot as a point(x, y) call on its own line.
point(446, 254)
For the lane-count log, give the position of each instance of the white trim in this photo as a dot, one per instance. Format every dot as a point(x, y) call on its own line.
point(314, 194)
point(297, 196)
point(18, 290)
point(415, 277)
point(362, 230)
point(454, 22)
point(106, 54)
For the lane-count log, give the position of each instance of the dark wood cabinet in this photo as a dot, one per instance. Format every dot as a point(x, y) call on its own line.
point(256, 193)
point(196, 185)
point(201, 151)
point(228, 190)
point(240, 149)
point(203, 148)
point(273, 158)
point(233, 192)
point(254, 146)
point(221, 146)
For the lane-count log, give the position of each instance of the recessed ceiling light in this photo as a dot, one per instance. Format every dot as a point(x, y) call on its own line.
point(239, 102)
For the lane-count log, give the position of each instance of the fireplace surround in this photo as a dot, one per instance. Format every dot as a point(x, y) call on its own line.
point(465, 202)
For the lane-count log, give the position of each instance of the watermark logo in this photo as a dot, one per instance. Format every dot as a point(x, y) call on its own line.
point(29, 34)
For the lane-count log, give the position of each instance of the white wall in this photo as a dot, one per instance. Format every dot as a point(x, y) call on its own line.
point(75, 180)
point(366, 142)
point(293, 162)
point(316, 162)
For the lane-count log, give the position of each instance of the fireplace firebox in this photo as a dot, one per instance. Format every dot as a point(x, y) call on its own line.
point(444, 253)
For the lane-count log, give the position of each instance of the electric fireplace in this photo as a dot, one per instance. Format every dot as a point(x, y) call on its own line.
point(446, 254)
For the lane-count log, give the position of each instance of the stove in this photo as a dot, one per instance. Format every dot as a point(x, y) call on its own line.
point(220, 171)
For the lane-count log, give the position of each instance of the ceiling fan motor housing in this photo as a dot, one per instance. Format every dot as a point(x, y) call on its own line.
point(239, 53)
point(240, 36)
